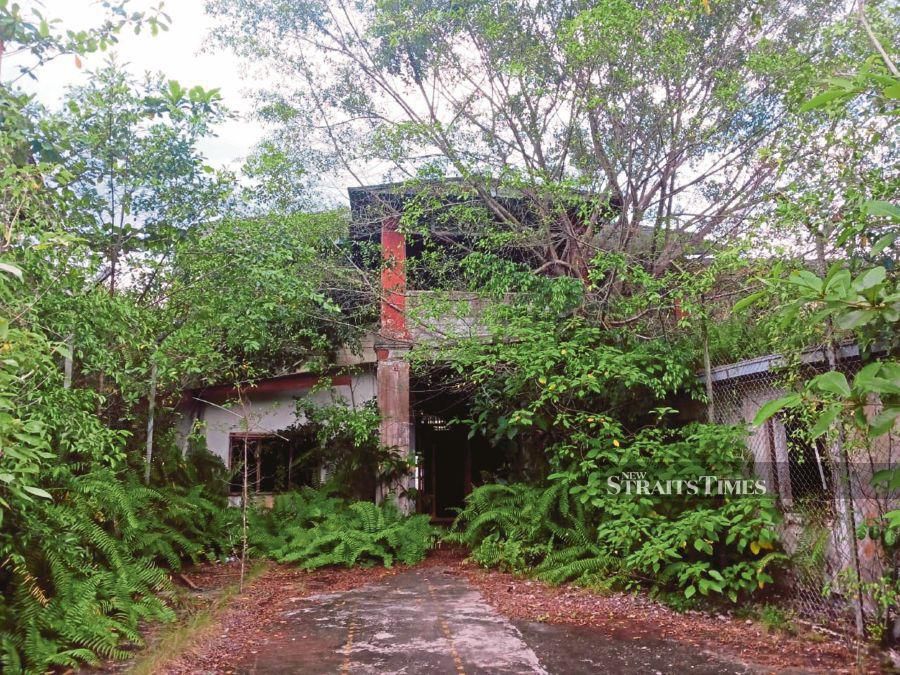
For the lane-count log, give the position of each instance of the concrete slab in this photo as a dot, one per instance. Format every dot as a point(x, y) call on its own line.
point(428, 620)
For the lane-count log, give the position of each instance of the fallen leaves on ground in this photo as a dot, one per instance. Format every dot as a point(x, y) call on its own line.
point(635, 616)
point(257, 616)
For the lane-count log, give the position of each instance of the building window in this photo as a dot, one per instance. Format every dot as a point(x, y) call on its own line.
point(273, 464)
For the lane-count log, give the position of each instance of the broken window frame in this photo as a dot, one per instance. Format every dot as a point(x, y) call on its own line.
point(258, 483)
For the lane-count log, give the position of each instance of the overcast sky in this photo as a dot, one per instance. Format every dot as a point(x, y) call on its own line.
point(178, 53)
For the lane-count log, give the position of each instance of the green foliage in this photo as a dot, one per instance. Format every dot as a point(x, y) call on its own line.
point(551, 366)
point(856, 297)
point(348, 445)
point(248, 297)
point(584, 528)
point(43, 39)
point(85, 557)
point(313, 529)
point(774, 618)
point(508, 526)
point(117, 261)
point(82, 544)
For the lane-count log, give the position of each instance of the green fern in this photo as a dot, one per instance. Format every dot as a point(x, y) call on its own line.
point(83, 571)
point(313, 529)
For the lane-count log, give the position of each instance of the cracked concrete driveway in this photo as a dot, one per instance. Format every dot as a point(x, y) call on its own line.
point(428, 620)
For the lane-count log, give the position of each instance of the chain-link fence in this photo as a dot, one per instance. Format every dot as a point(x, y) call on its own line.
point(823, 486)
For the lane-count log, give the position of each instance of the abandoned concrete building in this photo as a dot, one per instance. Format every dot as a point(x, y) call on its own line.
point(415, 415)
point(414, 418)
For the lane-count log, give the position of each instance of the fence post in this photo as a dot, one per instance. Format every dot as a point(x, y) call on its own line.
point(67, 362)
point(840, 469)
point(151, 419)
point(707, 375)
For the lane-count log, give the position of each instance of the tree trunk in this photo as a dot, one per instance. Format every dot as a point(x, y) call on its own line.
point(707, 376)
point(67, 362)
point(151, 414)
point(245, 494)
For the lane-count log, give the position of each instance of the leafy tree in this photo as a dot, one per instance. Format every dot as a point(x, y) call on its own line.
point(80, 542)
point(634, 128)
point(855, 296)
point(258, 296)
point(139, 181)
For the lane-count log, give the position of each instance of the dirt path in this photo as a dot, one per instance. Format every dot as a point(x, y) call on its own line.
point(430, 620)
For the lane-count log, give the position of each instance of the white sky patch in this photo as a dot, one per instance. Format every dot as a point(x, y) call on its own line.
point(177, 53)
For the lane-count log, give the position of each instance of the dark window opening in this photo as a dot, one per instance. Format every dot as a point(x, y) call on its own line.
point(274, 464)
point(808, 464)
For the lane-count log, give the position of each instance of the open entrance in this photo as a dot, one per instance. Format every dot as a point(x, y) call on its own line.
point(451, 460)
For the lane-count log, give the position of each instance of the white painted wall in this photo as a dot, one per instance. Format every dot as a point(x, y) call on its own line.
point(266, 413)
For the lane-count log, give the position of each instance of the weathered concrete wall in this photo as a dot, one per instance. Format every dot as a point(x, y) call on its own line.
point(267, 412)
point(434, 317)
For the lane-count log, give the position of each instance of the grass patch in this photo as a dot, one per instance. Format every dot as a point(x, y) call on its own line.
point(775, 619)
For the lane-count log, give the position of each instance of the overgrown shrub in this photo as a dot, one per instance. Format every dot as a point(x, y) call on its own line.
point(313, 529)
point(347, 443)
point(82, 556)
point(579, 529)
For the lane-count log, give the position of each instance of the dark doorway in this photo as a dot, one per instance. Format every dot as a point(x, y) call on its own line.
point(446, 465)
point(810, 470)
point(451, 460)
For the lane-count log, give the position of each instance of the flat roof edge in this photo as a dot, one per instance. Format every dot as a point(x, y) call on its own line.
point(764, 364)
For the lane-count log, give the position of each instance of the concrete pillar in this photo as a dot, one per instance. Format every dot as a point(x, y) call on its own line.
point(392, 372)
point(393, 283)
point(396, 422)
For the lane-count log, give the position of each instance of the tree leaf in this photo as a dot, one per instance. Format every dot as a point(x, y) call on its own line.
point(856, 318)
point(823, 99)
point(38, 492)
point(825, 421)
point(877, 207)
point(883, 422)
point(747, 301)
point(884, 242)
point(806, 279)
point(870, 278)
point(773, 406)
point(11, 269)
point(832, 382)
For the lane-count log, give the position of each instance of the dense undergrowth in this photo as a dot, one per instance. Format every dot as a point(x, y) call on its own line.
point(313, 529)
point(582, 527)
point(85, 570)
point(84, 545)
